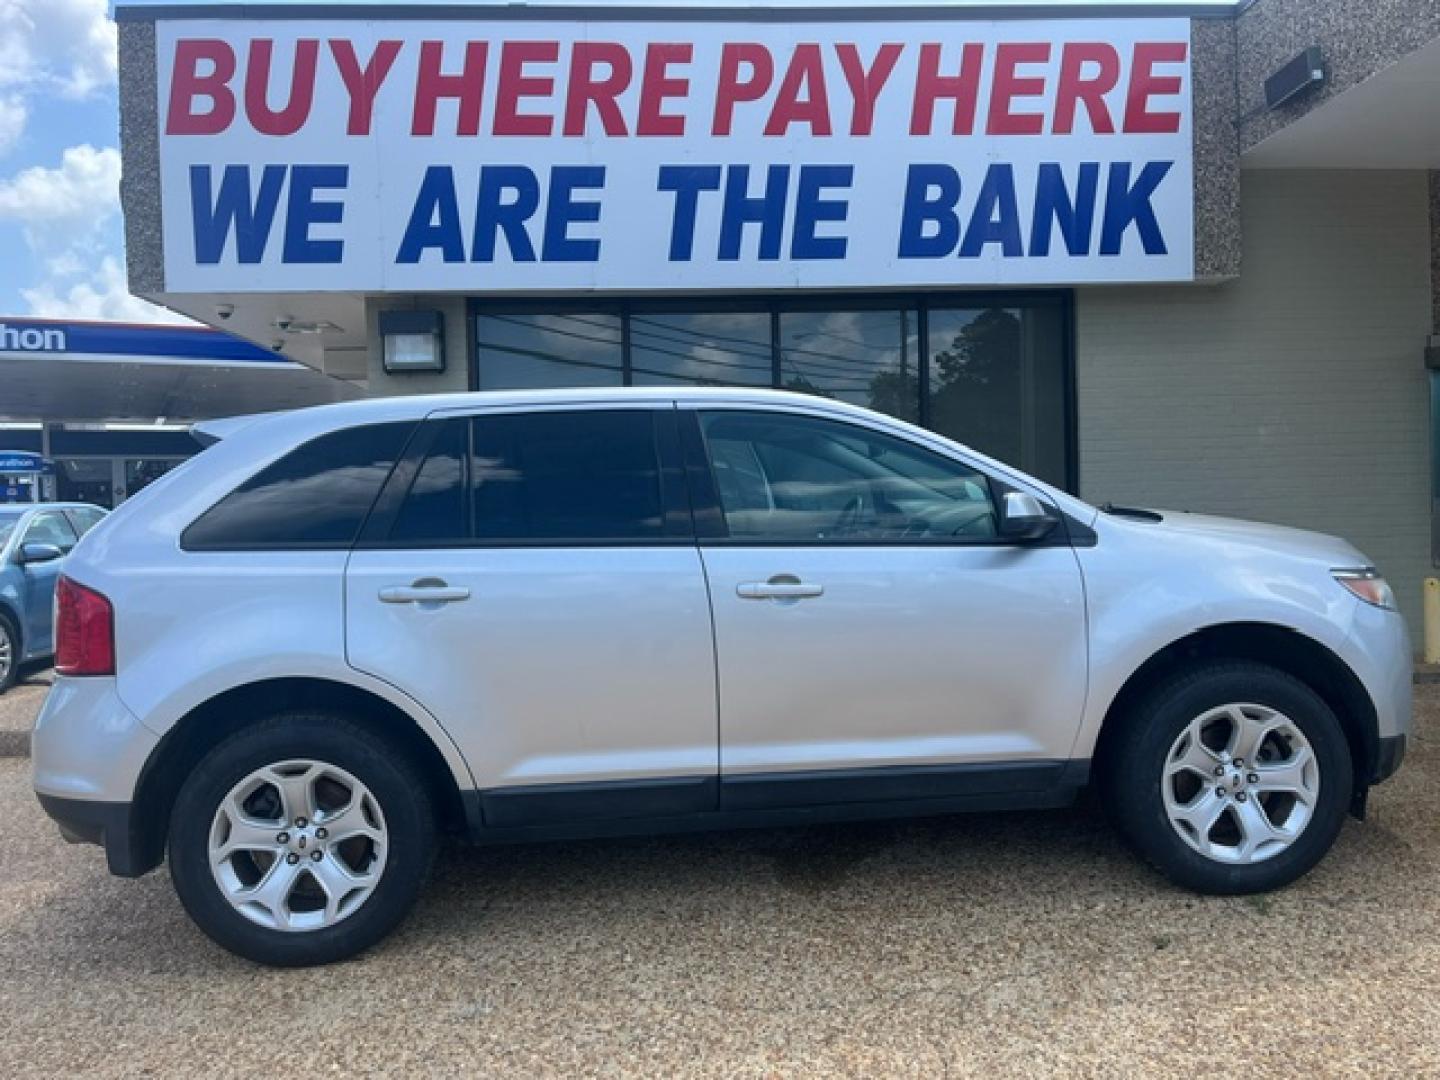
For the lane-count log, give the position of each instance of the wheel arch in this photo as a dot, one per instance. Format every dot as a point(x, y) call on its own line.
point(1286, 649)
point(206, 725)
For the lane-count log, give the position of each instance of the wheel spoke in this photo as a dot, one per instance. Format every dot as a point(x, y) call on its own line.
point(1287, 776)
point(1200, 813)
point(247, 835)
point(351, 822)
point(337, 881)
point(1255, 828)
point(272, 892)
point(1250, 733)
point(1196, 758)
point(297, 791)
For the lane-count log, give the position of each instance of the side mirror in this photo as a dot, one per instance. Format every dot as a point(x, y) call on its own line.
point(38, 553)
point(1025, 519)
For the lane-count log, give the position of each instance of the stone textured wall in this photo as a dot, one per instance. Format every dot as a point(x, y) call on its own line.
point(1296, 394)
point(140, 159)
point(1217, 149)
point(1359, 38)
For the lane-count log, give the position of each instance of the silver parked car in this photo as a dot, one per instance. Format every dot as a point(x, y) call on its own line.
point(34, 539)
point(522, 616)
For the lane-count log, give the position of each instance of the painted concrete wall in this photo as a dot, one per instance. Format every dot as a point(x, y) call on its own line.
point(1296, 394)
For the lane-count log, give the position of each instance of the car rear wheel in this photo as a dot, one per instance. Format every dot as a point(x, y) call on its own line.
point(1230, 778)
point(302, 840)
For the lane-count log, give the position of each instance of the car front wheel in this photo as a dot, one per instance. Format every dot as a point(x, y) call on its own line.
point(1230, 778)
point(302, 840)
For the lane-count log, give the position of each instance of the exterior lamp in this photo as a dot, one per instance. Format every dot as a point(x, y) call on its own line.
point(413, 341)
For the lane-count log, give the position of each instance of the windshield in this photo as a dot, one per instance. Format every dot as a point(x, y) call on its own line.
point(8, 520)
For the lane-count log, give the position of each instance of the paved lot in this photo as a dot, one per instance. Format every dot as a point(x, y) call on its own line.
point(1003, 945)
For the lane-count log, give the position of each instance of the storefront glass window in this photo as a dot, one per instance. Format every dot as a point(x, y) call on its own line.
point(997, 383)
point(541, 351)
point(992, 371)
point(869, 358)
point(700, 348)
point(89, 480)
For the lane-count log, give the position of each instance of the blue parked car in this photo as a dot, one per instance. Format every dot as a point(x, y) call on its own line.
point(34, 540)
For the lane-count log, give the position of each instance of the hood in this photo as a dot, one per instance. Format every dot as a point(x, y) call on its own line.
point(1254, 534)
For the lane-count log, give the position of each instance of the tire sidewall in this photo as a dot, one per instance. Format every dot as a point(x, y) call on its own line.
point(1137, 785)
point(403, 802)
point(10, 630)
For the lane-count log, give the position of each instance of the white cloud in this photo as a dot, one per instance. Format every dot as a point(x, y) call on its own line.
point(65, 203)
point(56, 46)
point(69, 218)
point(102, 295)
point(13, 115)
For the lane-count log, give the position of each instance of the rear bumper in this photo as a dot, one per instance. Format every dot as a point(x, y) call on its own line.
point(109, 824)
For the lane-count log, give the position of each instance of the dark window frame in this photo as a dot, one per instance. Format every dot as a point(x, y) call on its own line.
point(777, 305)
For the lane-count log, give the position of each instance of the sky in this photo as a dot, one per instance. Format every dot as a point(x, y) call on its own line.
point(61, 245)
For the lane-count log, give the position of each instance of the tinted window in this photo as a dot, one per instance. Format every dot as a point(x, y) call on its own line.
point(50, 528)
point(795, 479)
point(315, 496)
point(434, 508)
point(566, 476)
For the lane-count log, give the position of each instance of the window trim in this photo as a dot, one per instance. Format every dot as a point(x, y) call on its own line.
point(675, 503)
point(778, 304)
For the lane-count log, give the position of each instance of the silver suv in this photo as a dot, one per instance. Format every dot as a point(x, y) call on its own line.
point(337, 632)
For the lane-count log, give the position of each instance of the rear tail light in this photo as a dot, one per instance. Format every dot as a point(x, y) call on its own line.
point(84, 630)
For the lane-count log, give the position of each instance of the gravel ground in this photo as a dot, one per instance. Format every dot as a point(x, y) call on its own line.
point(1027, 944)
point(18, 707)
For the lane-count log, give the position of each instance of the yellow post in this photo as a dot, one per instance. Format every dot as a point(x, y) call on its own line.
point(1432, 621)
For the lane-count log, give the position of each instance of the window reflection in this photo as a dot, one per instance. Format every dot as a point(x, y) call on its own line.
point(700, 348)
point(869, 358)
point(551, 350)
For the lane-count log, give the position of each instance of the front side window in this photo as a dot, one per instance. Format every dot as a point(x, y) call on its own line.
point(796, 479)
point(316, 496)
point(50, 528)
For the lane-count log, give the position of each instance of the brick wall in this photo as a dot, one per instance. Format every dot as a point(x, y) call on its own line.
point(1296, 394)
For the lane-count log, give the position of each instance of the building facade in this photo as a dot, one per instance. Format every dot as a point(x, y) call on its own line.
point(1175, 255)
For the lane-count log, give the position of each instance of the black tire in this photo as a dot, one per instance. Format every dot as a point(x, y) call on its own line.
point(11, 632)
point(398, 787)
point(1131, 775)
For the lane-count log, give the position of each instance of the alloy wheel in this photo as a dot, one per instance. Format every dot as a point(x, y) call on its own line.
point(298, 845)
point(1240, 783)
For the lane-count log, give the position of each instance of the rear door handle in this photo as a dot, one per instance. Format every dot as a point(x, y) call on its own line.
point(778, 589)
point(424, 591)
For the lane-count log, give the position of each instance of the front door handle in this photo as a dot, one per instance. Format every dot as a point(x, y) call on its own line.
point(424, 591)
point(780, 587)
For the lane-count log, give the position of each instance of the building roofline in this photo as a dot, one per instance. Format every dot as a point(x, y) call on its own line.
point(759, 12)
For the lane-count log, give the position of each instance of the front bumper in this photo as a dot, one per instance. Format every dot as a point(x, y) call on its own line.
point(111, 825)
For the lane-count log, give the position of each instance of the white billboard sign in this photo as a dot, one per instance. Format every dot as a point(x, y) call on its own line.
point(538, 155)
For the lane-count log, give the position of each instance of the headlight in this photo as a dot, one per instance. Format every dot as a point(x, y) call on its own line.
point(1366, 583)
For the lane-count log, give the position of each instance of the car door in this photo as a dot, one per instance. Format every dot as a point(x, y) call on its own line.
point(531, 577)
point(46, 527)
point(875, 638)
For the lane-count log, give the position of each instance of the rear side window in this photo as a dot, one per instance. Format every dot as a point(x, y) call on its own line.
point(84, 518)
point(316, 496)
point(537, 478)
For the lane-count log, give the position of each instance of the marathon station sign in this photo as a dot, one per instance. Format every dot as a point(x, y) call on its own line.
point(457, 155)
